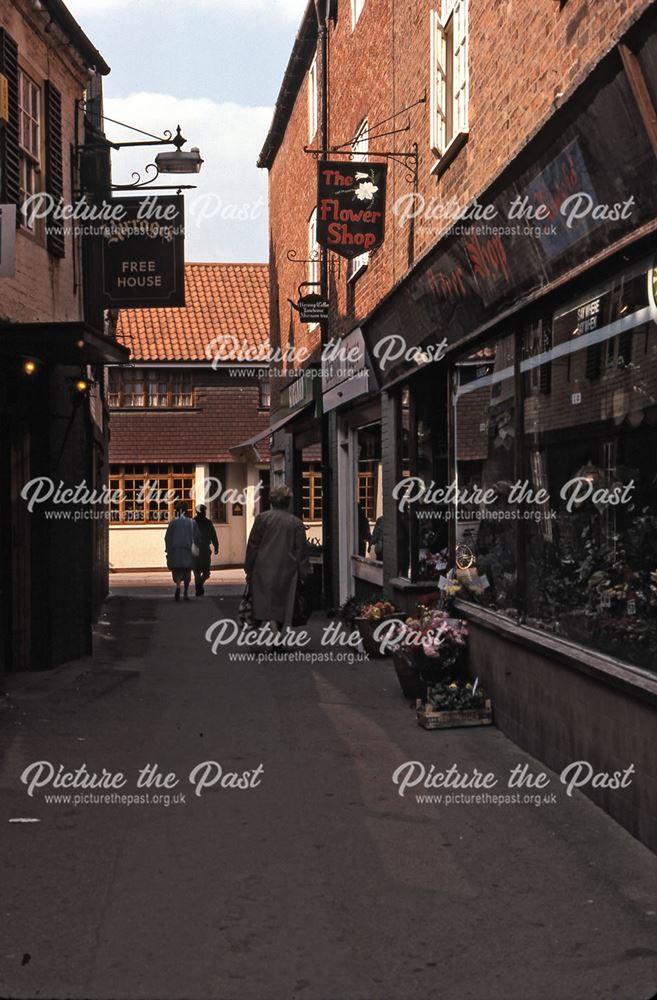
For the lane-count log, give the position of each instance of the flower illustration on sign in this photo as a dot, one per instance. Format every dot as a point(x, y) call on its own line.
point(365, 191)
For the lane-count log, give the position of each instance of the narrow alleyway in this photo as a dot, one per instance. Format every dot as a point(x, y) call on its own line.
point(321, 883)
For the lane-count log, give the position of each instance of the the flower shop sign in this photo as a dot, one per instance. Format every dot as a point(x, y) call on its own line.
point(143, 253)
point(351, 199)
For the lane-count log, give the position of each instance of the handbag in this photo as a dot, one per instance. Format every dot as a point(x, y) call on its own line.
point(302, 609)
point(194, 547)
point(245, 610)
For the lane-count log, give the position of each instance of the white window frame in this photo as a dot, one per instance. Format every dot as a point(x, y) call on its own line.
point(29, 144)
point(356, 11)
point(359, 149)
point(449, 80)
point(314, 253)
point(313, 99)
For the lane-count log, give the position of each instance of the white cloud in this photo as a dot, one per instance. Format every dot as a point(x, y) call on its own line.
point(288, 10)
point(229, 137)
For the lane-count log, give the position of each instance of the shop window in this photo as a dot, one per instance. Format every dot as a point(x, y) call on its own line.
point(311, 493)
point(485, 438)
point(29, 138)
point(368, 520)
point(148, 494)
point(423, 525)
point(149, 389)
point(449, 76)
point(590, 565)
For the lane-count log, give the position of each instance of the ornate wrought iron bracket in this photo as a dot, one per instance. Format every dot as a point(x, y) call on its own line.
point(166, 139)
point(292, 257)
point(405, 158)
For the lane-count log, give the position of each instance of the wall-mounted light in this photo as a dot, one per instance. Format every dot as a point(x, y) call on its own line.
point(29, 367)
point(179, 161)
point(80, 386)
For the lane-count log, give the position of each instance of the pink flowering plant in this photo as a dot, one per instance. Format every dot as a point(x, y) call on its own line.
point(437, 641)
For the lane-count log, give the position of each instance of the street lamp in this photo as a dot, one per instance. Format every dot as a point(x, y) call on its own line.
point(179, 161)
point(176, 161)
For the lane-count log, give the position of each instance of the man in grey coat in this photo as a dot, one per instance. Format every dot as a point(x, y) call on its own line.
point(276, 558)
point(182, 542)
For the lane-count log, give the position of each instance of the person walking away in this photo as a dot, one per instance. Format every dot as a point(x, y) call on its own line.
point(276, 559)
point(182, 544)
point(208, 538)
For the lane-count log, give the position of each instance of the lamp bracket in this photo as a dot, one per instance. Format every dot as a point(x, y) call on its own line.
point(405, 158)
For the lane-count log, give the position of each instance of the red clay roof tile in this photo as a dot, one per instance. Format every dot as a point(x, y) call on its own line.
point(226, 301)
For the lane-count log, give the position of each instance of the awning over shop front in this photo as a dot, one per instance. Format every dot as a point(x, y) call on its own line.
point(247, 448)
point(60, 344)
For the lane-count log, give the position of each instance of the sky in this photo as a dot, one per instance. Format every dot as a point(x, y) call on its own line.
point(214, 67)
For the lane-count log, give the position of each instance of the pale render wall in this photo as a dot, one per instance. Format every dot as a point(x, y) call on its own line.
point(142, 547)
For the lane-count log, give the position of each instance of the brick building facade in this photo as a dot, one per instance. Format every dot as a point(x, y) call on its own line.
point(546, 329)
point(54, 573)
point(193, 392)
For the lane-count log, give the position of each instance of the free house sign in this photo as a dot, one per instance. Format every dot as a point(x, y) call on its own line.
point(143, 253)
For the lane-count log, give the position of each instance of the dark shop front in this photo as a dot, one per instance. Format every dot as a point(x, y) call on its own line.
point(523, 465)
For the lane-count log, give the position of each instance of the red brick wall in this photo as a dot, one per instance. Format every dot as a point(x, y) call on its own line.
point(44, 288)
point(521, 54)
point(226, 413)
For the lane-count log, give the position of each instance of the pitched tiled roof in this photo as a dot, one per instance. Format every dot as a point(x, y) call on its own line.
point(229, 301)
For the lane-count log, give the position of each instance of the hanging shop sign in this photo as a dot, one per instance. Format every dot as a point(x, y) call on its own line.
point(299, 392)
point(351, 200)
point(7, 241)
point(143, 253)
point(313, 309)
point(345, 372)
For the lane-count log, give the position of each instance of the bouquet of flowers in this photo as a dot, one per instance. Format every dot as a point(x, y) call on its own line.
point(437, 640)
point(378, 611)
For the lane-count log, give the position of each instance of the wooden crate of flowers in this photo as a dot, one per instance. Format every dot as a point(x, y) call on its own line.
point(437, 642)
point(459, 705)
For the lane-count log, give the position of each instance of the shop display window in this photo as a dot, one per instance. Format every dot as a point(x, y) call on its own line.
point(559, 419)
point(368, 519)
point(590, 440)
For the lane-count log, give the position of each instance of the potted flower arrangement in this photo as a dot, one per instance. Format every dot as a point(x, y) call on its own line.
point(446, 698)
point(370, 616)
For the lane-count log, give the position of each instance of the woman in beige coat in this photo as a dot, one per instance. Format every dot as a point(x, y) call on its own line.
point(276, 558)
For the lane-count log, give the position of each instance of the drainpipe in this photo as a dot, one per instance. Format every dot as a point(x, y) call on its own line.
point(323, 10)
